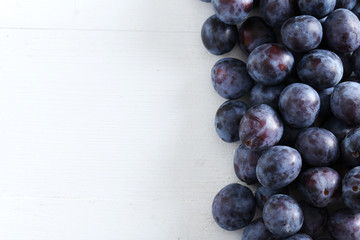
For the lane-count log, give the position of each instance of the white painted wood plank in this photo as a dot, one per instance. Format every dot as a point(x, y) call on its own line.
point(144, 15)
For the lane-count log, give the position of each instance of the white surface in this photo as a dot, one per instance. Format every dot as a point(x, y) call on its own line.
point(106, 121)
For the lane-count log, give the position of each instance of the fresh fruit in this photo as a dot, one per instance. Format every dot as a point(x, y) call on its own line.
point(344, 224)
point(218, 37)
point(315, 219)
point(350, 147)
point(345, 102)
point(342, 31)
point(245, 162)
point(351, 188)
point(320, 69)
point(260, 128)
point(299, 236)
point(230, 78)
point(232, 12)
point(301, 135)
point(282, 215)
point(348, 4)
point(320, 187)
point(299, 105)
point(278, 167)
point(227, 119)
point(256, 230)
point(254, 32)
point(276, 12)
point(270, 63)
point(233, 207)
point(301, 33)
point(318, 146)
point(316, 8)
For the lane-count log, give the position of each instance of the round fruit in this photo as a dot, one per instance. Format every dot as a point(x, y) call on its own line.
point(233, 207)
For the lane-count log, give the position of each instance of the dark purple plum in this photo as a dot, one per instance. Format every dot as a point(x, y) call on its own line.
point(301, 33)
point(320, 69)
point(218, 37)
point(325, 110)
point(299, 236)
point(262, 194)
point(227, 120)
point(355, 62)
point(266, 94)
point(276, 12)
point(205, 0)
point(282, 215)
point(344, 224)
point(299, 105)
point(351, 188)
point(324, 238)
point(257, 230)
point(348, 4)
point(346, 62)
point(316, 8)
point(289, 135)
point(318, 146)
point(342, 31)
point(245, 164)
point(321, 186)
point(233, 207)
point(315, 219)
point(278, 167)
point(260, 128)
point(270, 64)
point(232, 11)
point(253, 33)
point(350, 147)
point(345, 102)
point(337, 127)
point(230, 78)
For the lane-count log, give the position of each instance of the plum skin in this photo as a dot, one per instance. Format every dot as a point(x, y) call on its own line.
point(233, 207)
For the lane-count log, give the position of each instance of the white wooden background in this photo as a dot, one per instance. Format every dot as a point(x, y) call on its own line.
point(106, 121)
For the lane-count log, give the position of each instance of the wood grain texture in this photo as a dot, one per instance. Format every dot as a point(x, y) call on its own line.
point(106, 121)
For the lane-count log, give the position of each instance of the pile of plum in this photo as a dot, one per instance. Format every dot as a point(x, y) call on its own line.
point(300, 131)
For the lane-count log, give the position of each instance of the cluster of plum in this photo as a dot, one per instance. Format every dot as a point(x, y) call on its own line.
point(295, 108)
